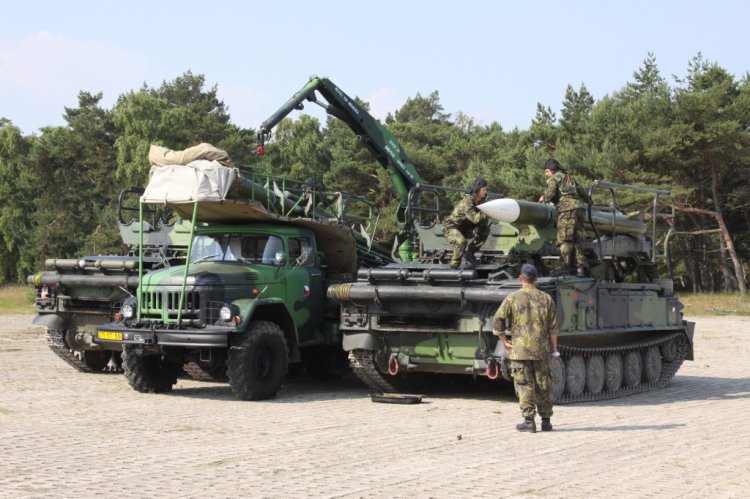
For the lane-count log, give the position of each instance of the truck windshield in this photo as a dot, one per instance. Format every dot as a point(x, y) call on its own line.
point(255, 248)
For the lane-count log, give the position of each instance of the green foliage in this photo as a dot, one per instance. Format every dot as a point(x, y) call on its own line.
point(691, 137)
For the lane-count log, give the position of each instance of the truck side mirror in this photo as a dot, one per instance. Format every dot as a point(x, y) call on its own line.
point(281, 258)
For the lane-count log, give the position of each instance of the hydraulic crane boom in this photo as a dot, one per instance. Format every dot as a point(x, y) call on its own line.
point(378, 139)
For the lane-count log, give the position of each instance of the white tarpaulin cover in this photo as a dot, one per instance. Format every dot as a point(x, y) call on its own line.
point(200, 180)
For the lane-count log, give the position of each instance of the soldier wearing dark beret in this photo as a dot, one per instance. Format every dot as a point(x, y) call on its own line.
point(526, 323)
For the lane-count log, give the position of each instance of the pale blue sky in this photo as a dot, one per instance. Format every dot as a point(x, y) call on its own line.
point(491, 60)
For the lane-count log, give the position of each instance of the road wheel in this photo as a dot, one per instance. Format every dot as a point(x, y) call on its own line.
point(594, 374)
point(557, 370)
point(325, 362)
point(633, 369)
point(259, 364)
point(613, 372)
point(651, 359)
point(149, 372)
point(575, 375)
point(669, 350)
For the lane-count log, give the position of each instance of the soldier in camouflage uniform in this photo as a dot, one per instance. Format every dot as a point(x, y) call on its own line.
point(466, 222)
point(529, 316)
point(569, 197)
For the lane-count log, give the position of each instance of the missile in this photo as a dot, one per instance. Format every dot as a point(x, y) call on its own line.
point(540, 215)
point(517, 211)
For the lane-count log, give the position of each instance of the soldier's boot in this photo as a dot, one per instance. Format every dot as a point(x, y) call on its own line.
point(469, 257)
point(546, 425)
point(528, 425)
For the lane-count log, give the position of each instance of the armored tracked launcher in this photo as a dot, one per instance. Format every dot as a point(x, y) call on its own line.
point(616, 337)
point(74, 295)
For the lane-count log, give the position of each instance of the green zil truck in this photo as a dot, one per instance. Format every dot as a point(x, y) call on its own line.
point(252, 295)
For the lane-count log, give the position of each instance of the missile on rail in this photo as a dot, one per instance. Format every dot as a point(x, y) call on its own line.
point(540, 215)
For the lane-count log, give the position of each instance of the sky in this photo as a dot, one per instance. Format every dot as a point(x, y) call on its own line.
point(490, 60)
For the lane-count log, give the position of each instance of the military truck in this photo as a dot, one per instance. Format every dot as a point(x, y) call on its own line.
point(621, 330)
point(263, 250)
point(75, 294)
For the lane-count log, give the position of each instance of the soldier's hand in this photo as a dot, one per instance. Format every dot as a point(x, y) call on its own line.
point(475, 232)
point(541, 198)
point(508, 346)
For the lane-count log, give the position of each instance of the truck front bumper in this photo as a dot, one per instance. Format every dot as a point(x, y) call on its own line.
point(207, 337)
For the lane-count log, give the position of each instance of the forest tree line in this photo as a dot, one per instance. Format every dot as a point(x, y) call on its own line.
point(690, 135)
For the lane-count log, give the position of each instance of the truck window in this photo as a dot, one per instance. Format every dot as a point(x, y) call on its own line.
point(301, 246)
point(261, 249)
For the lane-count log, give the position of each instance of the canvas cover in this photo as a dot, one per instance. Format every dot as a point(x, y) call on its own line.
point(200, 180)
point(161, 156)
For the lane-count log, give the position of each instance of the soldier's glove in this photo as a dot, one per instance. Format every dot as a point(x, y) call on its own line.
point(475, 232)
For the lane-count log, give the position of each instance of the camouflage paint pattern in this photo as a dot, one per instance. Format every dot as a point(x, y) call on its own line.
point(533, 383)
point(465, 222)
point(570, 199)
point(532, 318)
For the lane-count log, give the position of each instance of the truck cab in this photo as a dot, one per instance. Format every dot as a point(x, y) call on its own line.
point(253, 301)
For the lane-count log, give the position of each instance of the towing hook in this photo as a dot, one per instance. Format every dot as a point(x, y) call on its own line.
point(493, 370)
point(393, 365)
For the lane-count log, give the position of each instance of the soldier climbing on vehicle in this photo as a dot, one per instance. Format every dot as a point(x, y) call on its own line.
point(569, 198)
point(467, 222)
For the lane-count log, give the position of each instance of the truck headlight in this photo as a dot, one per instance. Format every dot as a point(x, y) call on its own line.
point(225, 313)
point(128, 310)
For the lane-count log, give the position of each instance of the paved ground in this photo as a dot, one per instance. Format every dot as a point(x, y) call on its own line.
point(67, 434)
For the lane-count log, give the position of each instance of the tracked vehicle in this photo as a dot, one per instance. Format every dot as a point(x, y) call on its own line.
point(406, 323)
point(76, 294)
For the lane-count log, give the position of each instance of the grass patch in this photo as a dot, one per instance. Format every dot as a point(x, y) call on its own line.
point(16, 299)
point(715, 304)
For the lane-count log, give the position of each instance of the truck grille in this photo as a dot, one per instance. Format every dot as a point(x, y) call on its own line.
point(164, 305)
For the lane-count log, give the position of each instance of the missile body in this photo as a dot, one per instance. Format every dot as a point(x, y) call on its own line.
point(520, 212)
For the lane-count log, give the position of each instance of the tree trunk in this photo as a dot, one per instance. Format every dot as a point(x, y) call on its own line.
point(726, 237)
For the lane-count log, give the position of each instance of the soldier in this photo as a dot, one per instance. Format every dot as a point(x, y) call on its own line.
point(529, 316)
point(569, 197)
point(466, 222)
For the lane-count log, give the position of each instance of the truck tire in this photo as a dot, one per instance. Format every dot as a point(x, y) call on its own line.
point(148, 372)
point(325, 362)
point(259, 364)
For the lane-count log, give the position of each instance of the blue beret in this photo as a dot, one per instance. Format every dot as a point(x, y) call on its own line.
point(529, 270)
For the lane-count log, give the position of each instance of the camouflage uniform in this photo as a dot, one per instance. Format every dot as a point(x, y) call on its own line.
point(532, 318)
point(460, 226)
point(570, 199)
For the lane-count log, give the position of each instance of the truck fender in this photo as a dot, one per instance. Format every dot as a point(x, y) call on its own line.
point(361, 341)
point(50, 321)
point(273, 310)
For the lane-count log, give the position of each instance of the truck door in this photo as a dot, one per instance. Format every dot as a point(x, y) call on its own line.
point(304, 288)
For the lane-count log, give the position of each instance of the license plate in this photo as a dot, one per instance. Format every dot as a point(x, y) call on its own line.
point(109, 335)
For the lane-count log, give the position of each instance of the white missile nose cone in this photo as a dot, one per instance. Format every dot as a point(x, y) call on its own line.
point(504, 210)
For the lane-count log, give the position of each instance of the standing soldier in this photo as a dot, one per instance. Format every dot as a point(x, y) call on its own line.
point(529, 316)
point(569, 198)
point(465, 222)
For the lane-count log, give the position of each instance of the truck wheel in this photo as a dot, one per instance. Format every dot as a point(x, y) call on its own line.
point(148, 372)
point(259, 364)
point(325, 362)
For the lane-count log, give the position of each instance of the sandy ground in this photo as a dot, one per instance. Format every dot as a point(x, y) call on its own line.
point(69, 434)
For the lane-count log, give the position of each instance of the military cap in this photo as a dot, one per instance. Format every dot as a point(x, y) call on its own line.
point(553, 165)
point(529, 270)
